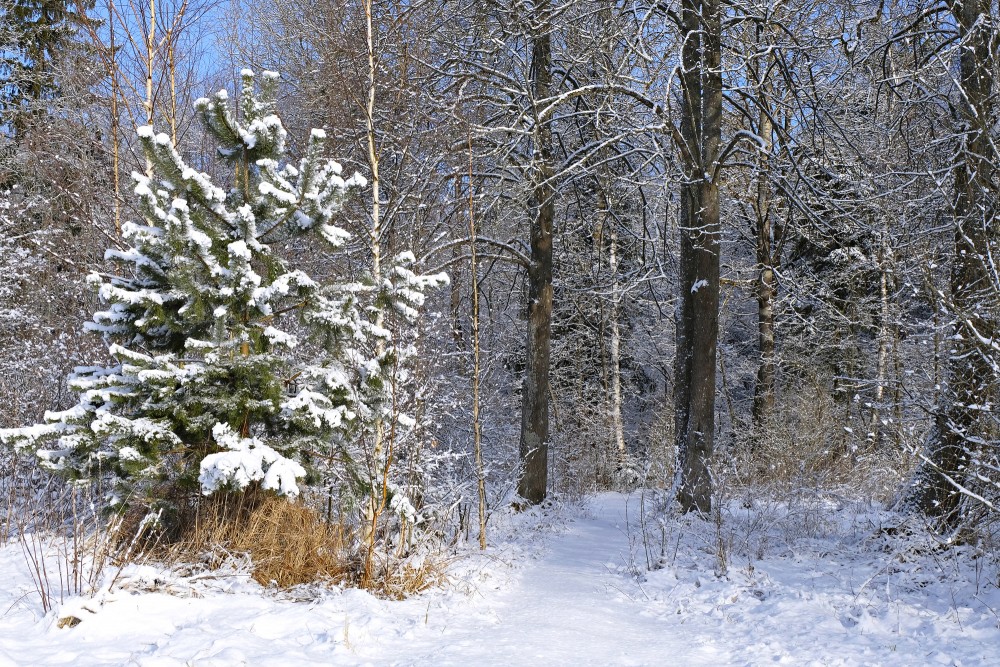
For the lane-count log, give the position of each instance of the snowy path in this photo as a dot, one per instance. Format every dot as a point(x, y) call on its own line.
point(832, 595)
point(567, 609)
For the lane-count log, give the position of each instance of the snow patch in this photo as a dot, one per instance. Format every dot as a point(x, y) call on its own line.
point(698, 284)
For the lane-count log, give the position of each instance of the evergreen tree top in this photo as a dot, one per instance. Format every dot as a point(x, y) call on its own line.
point(35, 35)
point(193, 315)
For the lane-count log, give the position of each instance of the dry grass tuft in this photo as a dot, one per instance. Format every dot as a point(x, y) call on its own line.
point(398, 580)
point(288, 542)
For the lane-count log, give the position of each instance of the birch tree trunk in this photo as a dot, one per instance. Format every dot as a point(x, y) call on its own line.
point(377, 497)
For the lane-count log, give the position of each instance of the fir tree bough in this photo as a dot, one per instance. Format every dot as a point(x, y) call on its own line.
point(198, 319)
point(35, 34)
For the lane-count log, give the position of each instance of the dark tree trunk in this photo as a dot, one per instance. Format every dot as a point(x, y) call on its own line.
point(698, 315)
point(972, 382)
point(535, 392)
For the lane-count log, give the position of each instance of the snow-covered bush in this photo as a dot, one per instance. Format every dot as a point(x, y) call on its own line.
point(206, 392)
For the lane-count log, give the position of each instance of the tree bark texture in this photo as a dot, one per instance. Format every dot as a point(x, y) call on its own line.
point(535, 392)
point(698, 313)
point(767, 287)
point(958, 431)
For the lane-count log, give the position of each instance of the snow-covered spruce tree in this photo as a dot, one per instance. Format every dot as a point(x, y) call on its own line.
point(197, 400)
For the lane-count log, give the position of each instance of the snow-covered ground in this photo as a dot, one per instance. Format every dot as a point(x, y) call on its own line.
point(817, 584)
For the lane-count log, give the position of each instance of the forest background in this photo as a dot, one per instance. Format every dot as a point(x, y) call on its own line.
point(696, 246)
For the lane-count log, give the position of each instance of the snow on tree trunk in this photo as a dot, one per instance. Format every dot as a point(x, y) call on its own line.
point(534, 444)
point(698, 314)
point(956, 443)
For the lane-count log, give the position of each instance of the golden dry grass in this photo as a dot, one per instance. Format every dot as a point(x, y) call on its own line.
point(288, 542)
point(398, 580)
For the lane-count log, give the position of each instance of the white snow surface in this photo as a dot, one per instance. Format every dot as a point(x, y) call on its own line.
point(562, 585)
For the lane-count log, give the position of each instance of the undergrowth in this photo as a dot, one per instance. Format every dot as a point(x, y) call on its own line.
point(71, 549)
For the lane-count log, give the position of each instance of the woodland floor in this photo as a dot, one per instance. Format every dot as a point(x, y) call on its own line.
point(815, 583)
